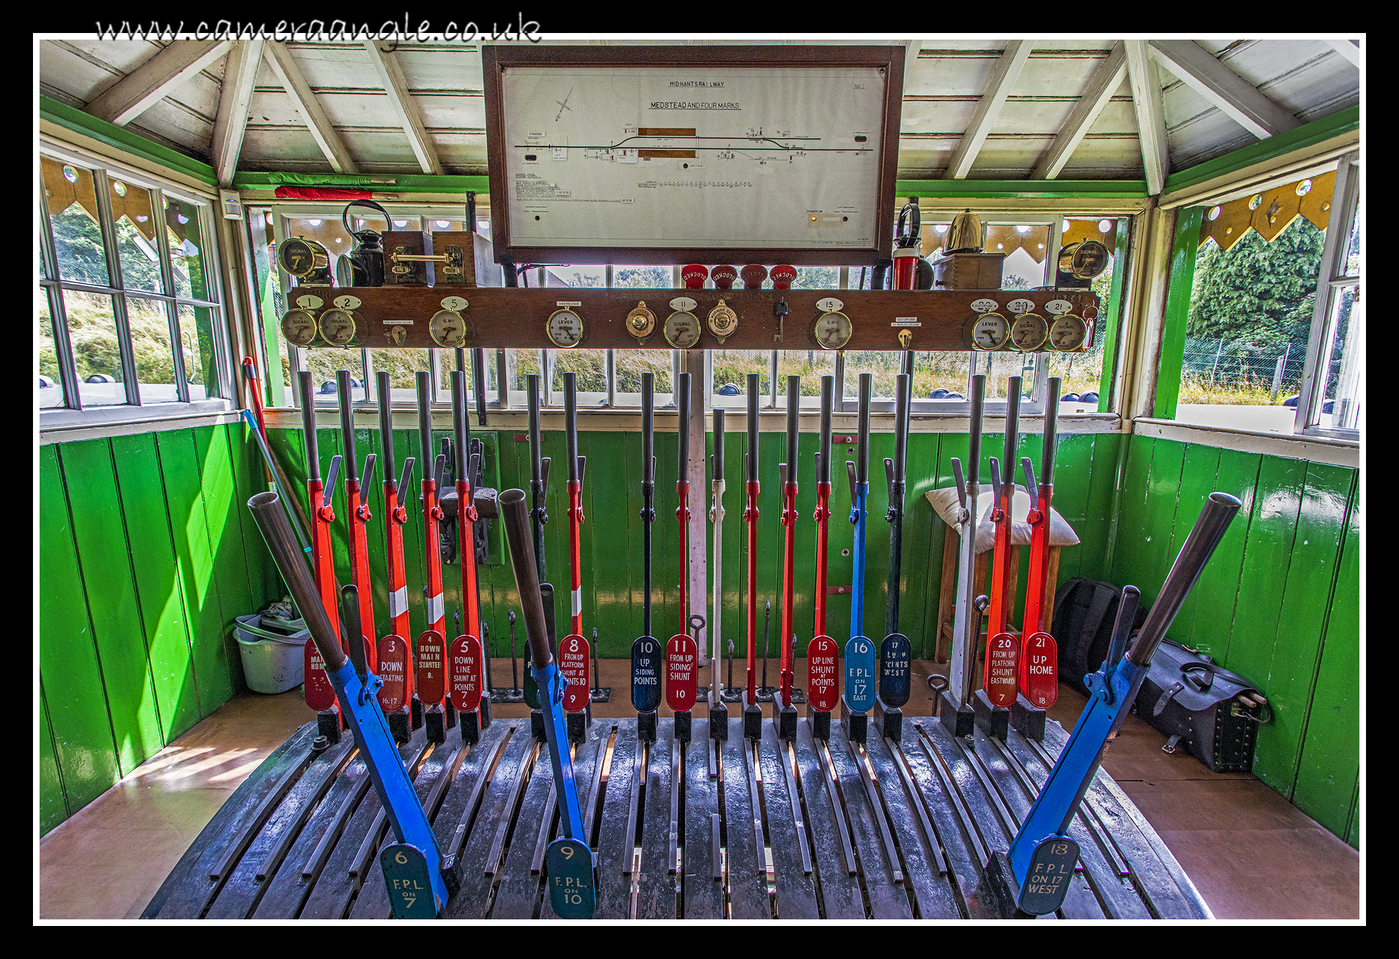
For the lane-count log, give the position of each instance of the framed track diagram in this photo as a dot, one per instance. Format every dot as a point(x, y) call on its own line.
point(667, 154)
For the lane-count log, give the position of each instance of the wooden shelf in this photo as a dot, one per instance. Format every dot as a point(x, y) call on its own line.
point(398, 317)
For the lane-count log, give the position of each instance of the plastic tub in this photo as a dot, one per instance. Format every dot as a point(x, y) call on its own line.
point(272, 663)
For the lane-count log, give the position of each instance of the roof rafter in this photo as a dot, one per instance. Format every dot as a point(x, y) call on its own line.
point(1232, 94)
point(1101, 86)
point(1007, 71)
point(291, 78)
point(234, 98)
point(1150, 113)
point(396, 86)
point(155, 79)
point(1350, 49)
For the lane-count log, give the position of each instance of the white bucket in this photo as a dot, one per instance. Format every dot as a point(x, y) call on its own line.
point(272, 663)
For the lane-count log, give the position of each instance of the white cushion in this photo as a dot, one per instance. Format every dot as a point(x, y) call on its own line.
point(947, 506)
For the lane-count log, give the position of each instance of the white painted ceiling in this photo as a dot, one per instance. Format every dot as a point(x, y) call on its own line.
point(995, 109)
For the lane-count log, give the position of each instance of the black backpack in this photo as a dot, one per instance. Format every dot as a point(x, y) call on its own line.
point(1084, 611)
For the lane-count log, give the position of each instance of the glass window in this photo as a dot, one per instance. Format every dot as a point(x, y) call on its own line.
point(132, 317)
point(75, 222)
point(50, 372)
point(137, 242)
point(1265, 335)
point(149, 323)
point(97, 349)
point(186, 249)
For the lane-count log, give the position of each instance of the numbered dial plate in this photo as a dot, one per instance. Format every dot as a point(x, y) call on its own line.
point(832, 330)
point(991, 331)
point(722, 321)
point(1029, 331)
point(641, 322)
point(448, 329)
point(338, 327)
point(565, 329)
point(299, 327)
point(302, 257)
point(1068, 332)
point(682, 330)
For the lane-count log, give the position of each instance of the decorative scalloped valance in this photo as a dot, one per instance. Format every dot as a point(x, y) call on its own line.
point(1269, 212)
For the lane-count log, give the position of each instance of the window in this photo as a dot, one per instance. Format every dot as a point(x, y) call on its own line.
point(1274, 336)
point(1330, 398)
point(129, 312)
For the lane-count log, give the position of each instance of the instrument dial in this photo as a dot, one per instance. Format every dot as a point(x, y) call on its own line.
point(564, 328)
point(299, 327)
point(1029, 332)
point(682, 329)
point(338, 327)
point(448, 329)
point(1068, 333)
point(990, 331)
point(833, 330)
point(301, 257)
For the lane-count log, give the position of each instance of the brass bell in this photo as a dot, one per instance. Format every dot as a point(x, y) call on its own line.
point(965, 234)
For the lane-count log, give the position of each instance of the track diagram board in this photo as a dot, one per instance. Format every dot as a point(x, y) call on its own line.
point(696, 156)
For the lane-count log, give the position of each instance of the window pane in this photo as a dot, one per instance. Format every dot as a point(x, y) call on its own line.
point(1247, 330)
point(1026, 248)
point(1352, 259)
point(810, 365)
point(323, 365)
point(403, 366)
point(630, 364)
point(883, 367)
point(817, 278)
point(92, 330)
point(518, 365)
point(50, 376)
point(197, 344)
point(731, 369)
point(150, 345)
point(1344, 371)
point(77, 238)
point(643, 278)
point(186, 252)
point(589, 369)
point(939, 376)
point(136, 236)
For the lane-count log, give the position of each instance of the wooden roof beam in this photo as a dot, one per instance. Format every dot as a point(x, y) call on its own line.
point(236, 95)
point(1002, 79)
point(291, 78)
point(1350, 49)
point(396, 86)
point(1101, 86)
point(1230, 93)
point(1151, 115)
point(155, 79)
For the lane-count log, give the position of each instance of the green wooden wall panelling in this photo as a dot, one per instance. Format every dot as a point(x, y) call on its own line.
point(1278, 602)
point(135, 611)
point(52, 808)
point(107, 573)
point(157, 580)
point(1311, 575)
point(1327, 773)
point(78, 721)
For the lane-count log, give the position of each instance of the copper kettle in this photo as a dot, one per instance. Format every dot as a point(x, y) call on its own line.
point(965, 234)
